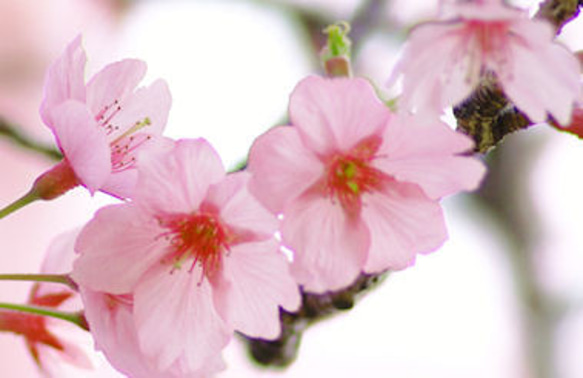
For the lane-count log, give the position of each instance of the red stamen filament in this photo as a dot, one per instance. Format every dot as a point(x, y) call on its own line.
point(199, 237)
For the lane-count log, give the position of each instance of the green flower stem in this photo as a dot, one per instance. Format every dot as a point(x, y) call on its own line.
point(53, 278)
point(19, 203)
point(76, 318)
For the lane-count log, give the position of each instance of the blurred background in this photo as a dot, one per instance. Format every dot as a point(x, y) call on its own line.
point(502, 298)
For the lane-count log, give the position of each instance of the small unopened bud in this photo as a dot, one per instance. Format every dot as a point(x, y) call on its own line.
point(55, 182)
point(336, 55)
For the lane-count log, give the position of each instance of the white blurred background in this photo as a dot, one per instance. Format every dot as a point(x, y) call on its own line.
point(231, 65)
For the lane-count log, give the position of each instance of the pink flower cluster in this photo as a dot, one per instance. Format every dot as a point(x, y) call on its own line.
point(195, 254)
point(176, 271)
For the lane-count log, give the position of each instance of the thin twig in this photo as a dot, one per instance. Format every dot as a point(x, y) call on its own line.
point(12, 133)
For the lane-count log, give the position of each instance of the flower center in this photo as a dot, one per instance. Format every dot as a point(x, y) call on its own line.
point(124, 144)
point(491, 40)
point(349, 176)
point(199, 237)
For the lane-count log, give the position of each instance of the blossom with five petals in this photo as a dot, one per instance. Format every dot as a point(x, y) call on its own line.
point(444, 61)
point(358, 188)
point(99, 126)
point(198, 255)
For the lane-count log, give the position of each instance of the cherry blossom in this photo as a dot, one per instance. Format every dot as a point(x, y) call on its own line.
point(52, 342)
point(46, 344)
point(100, 125)
point(197, 254)
point(357, 187)
point(444, 61)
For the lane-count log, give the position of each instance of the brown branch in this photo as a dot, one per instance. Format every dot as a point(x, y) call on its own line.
point(315, 307)
point(559, 12)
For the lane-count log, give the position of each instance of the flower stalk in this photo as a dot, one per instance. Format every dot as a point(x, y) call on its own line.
point(27, 199)
point(76, 318)
point(51, 278)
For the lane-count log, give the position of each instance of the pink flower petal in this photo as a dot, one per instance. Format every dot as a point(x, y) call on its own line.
point(402, 222)
point(427, 155)
point(114, 332)
point(117, 246)
point(112, 326)
point(282, 167)
point(239, 209)
point(65, 80)
point(175, 316)
point(434, 69)
point(260, 282)
point(113, 83)
point(178, 181)
point(85, 147)
point(335, 114)
point(121, 184)
point(330, 248)
point(543, 76)
point(148, 107)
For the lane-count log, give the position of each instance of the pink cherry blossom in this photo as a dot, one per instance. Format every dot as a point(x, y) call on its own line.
point(44, 336)
point(443, 61)
point(357, 187)
point(100, 125)
point(52, 343)
point(196, 252)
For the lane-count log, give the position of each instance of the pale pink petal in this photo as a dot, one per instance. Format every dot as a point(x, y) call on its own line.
point(147, 109)
point(175, 316)
point(330, 248)
point(65, 80)
point(541, 76)
point(282, 167)
point(60, 256)
point(402, 222)
point(239, 209)
point(117, 246)
point(260, 282)
point(59, 260)
point(112, 325)
point(177, 181)
point(335, 114)
point(113, 83)
point(85, 147)
point(438, 68)
point(488, 10)
point(427, 155)
point(121, 184)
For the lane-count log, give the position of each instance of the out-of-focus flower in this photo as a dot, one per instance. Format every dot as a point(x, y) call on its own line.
point(198, 254)
point(358, 189)
point(50, 341)
point(45, 344)
point(100, 126)
point(444, 61)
